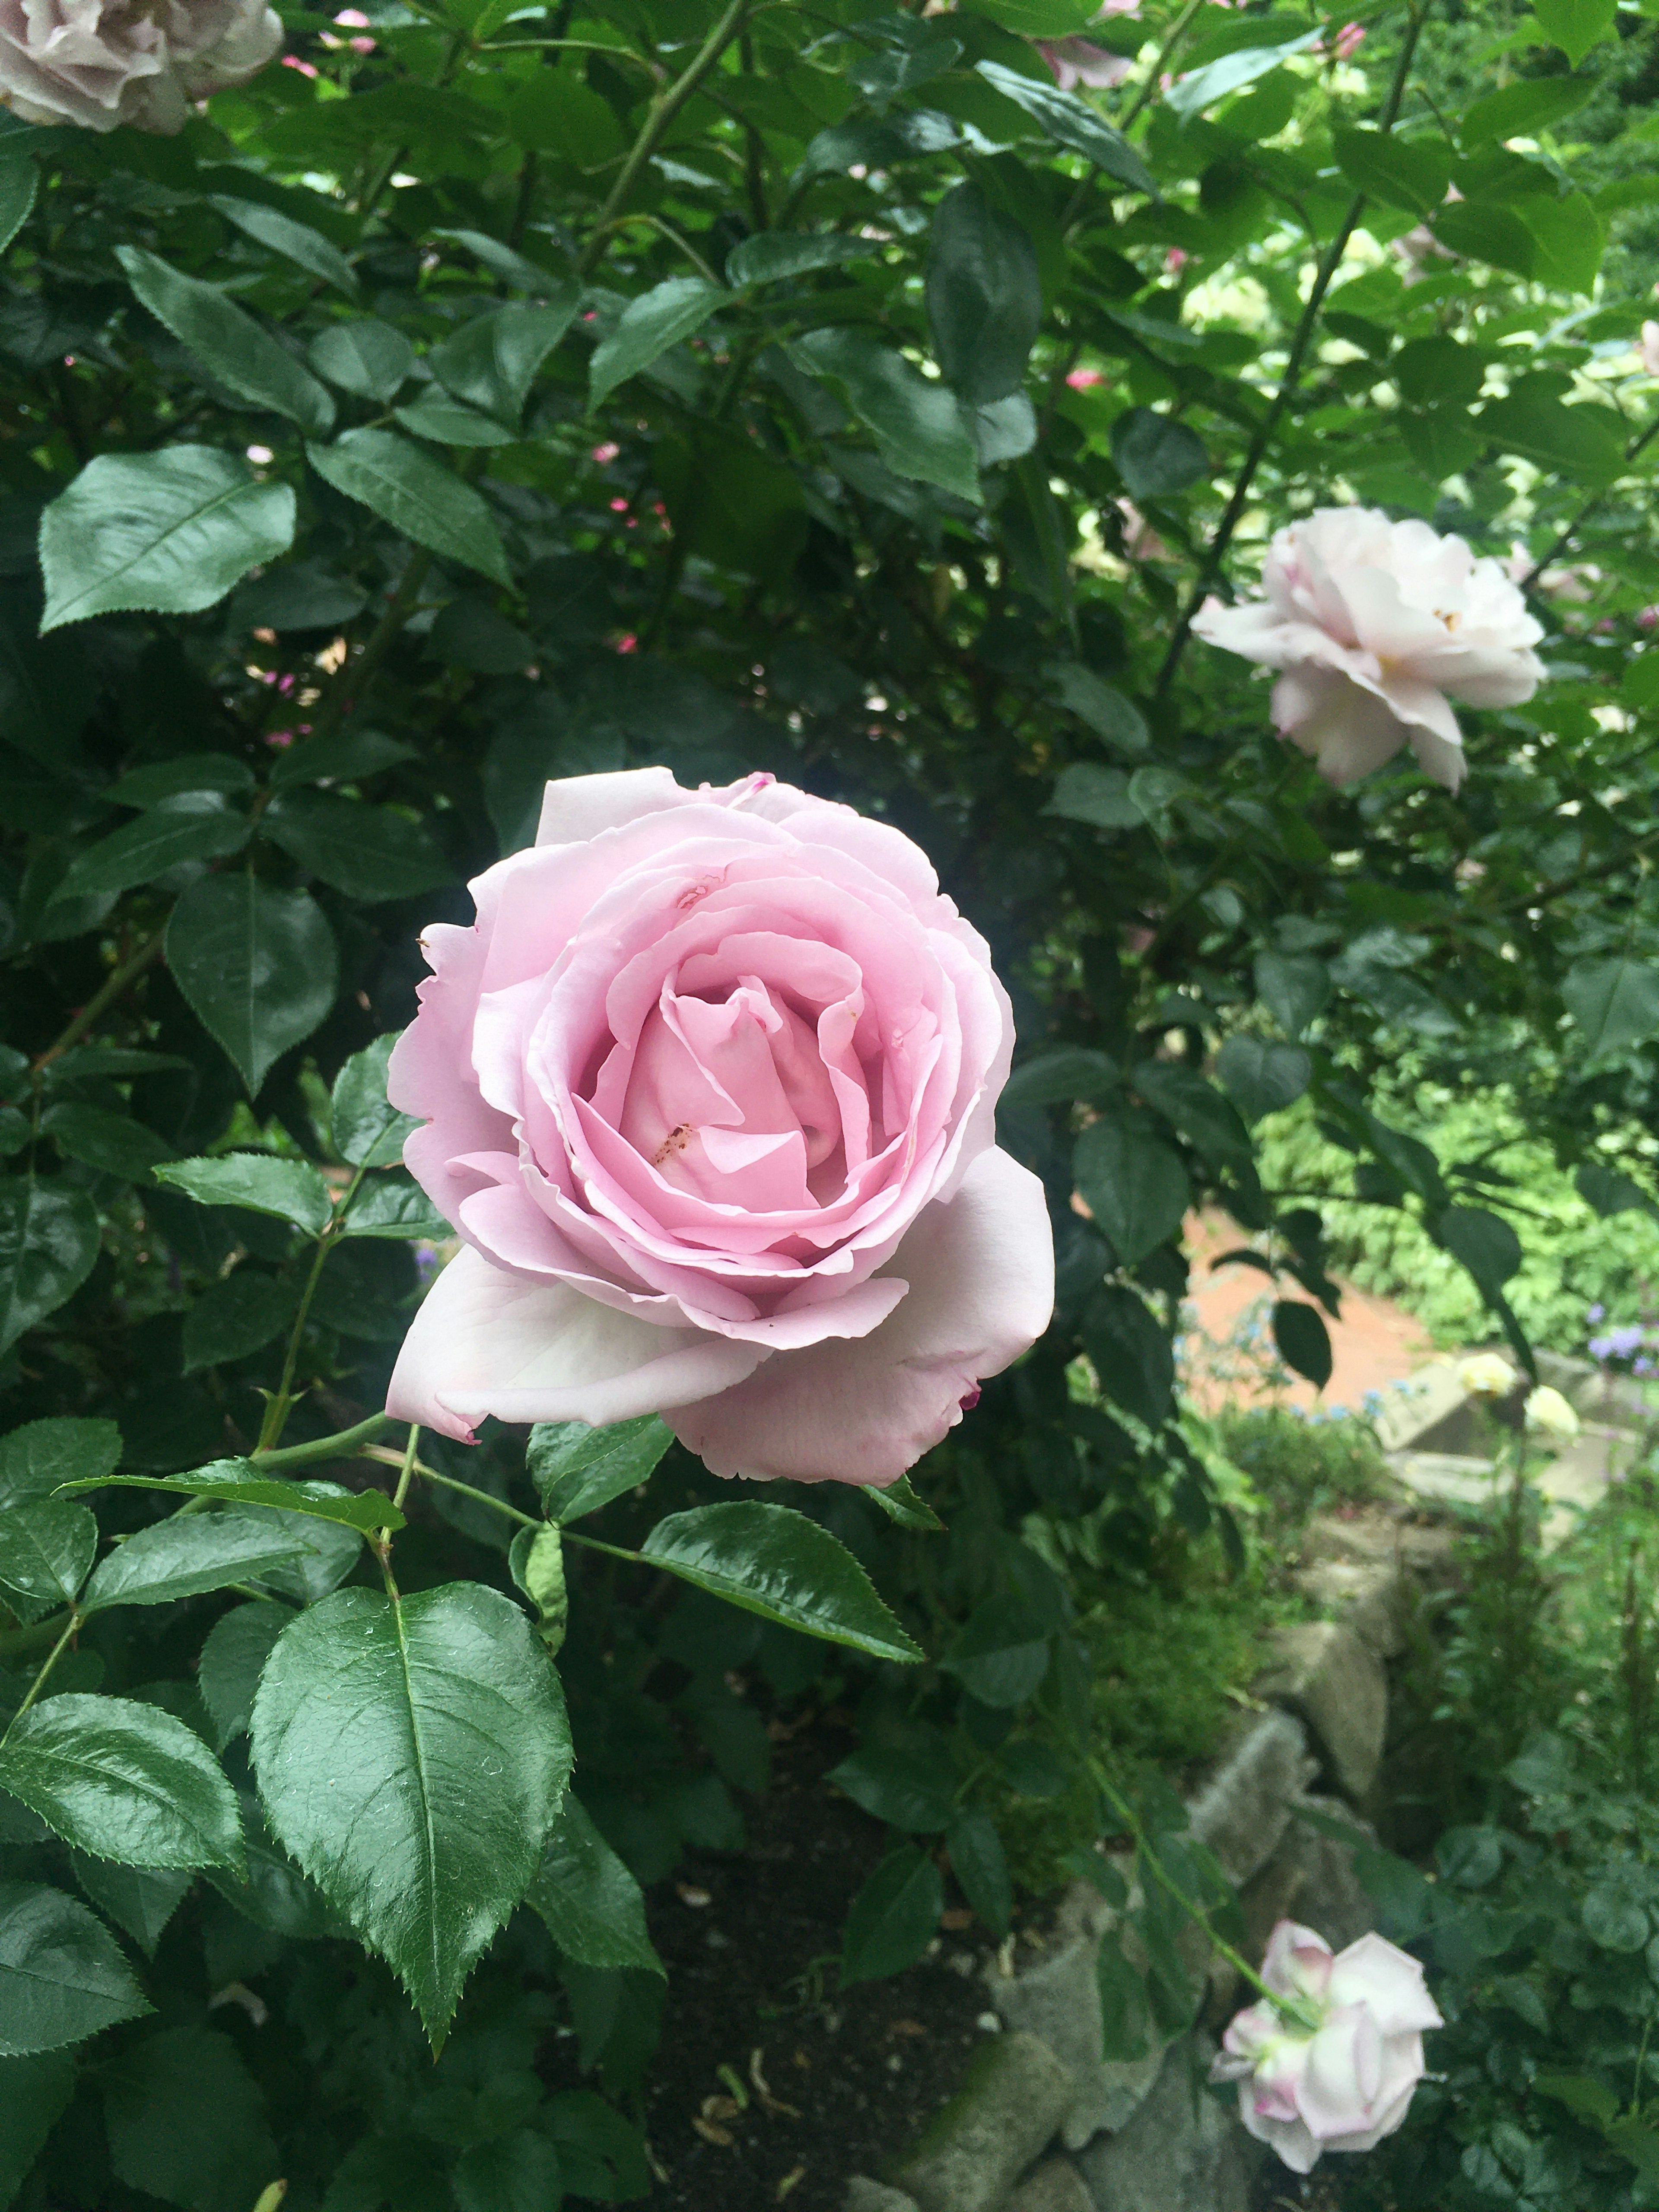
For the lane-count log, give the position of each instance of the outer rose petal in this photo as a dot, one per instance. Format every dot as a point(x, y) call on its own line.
point(1379, 1975)
point(578, 807)
point(982, 1273)
point(1293, 2140)
point(488, 1342)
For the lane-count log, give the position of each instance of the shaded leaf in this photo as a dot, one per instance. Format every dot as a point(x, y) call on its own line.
point(63, 1977)
point(772, 1560)
point(124, 1781)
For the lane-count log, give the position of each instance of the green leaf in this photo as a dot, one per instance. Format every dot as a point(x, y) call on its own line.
point(1304, 1341)
point(1069, 1072)
point(34, 2094)
point(415, 494)
point(1294, 988)
point(258, 967)
point(535, 1560)
point(412, 1755)
point(18, 181)
point(367, 1130)
point(1130, 1353)
point(38, 1458)
point(1608, 1191)
point(46, 1551)
point(1579, 440)
point(772, 1560)
point(899, 1502)
point(295, 242)
point(1191, 94)
point(179, 1559)
point(186, 2121)
point(512, 268)
point(202, 828)
point(520, 2171)
point(1613, 1919)
point(167, 533)
point(1038, 19)
point(1134, 1184)
point(1106, 711)
point(141, 1900)
point(123, 1781)
point(291, 1189)
point(48, 1242)
point(659, 319)
point(365, 357)
point(893, 1917)
point(984, 296)
point(1412, 174)
point(445, 422)
point(1576, 26)
point(1071, 122)
point(1570, 237)
point(1123, 2018)
point(491, 362)
point(909, 1788)
point(1263, 1079)
point(1001, 1653)
point(114, 1144)
point(235, 1317)
point(350, 758)
point(1485, 1245)
point(1522, 109)
point(1192, 1105)
point(228, 342)
point(1582, 2093)
point(370, 852)
point(593, 1905)
point(1614, 1001)
point(62, 1974)
point(981, 1867)
point(1155, 456)
point(393, 1206)
point(771, 256)
point(237, 1645)
point(577, 1469)
point(918, 425)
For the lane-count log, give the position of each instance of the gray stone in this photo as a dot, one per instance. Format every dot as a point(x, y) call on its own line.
point(1460, 1477)
point(1056, 2186)
point(863, 2194)
point(1380, 1537)
point(1577, 1478)
point(1618, 1400)
point(1311, 1878)
point(1240, 1809)
point(1182, 2151)
point(1367, 1595)
point(1058, 2000)
point(974, 2151)
point(1334, 1682)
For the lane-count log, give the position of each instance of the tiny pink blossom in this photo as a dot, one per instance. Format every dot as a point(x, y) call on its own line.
point(1084, 380)
point(1177, 259)
point(1079, 61)
point(293, 62)
point(352, 19)
point(1330, 2061)
point(1349, 40)
point(1647, 619)
point(606, 453)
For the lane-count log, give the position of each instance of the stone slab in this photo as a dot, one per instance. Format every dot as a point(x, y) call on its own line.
point(1367, 1595)
point(1058, 2000)
point(1239, 1810)
point(1379, 1537)
point(863, 2194)
point(1056, 2186)
point(1335, 1683)
point(1311, 1878)
point(1429, 1398)
point(1446, 1475)
point(974, 2151)
point(1181, 2152)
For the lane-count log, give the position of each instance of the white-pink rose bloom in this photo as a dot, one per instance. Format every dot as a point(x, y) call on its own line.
point(1335, 2070)
point(1373, 624)
point(710, 1091)
point(103, 62)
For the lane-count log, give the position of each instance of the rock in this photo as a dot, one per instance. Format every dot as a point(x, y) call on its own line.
point(1311, 1878)
point(1179, 2154)
point(1457, 1477)
point(1366, 1595)
point(1056, 2186)
point(1617, 1400)
point(1015, 2096)
point(866, 2195)
point(1058, 2000)
point(1334, 1682)
point(1382, 1539)
point(1239, 1810)
point(1430, 1412)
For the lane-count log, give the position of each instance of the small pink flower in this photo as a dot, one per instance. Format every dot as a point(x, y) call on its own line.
point(619, 507)
point(361, 46)
point(281, 739)
point(1177, 259)
point(293, 61)
point(1647, 619)
point(606, 453)
point(1079, 61)
point(1331, 2060)
point(352, 19)
point(1084, 380)
point(1349, 40)
point(628, 643)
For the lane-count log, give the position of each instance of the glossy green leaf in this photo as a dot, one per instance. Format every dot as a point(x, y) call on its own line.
point(1582, 439)
point(179, 1559)
point(1104, 708)
point(446, 422)
point(1197, 89)
point(123, 1781)
point(228, 342)
point(114, 1144)
point(1303, 1340)
point(1523, 107)
point(237, 1645)
point(236, 1317)
point(48, 1242)
point(577, 1469)
point(659, 319)
point(491, 362)
point(1263, 1079)
point(168, 531)
point(1295, 988)
point(365, 357)
point(1412, 174)
point(263, 1182)
point(1576, 26)
point(371, 852)
point(501, 261)
point(393, 1206)
point(899, 1502)
point(1039, 19)
point(1156, 456)
point(415, 494)
point(518, 2171)
point(1130, 1353)
point(38, 1458)
point(18, 181)
point(412, 1755)
point(1055, 1079)
point(893, 1917)
point(984, 296)
point(141, 1900)
point(46, 1551)
point(367, 1131)
point(34, 2093)
point(350, 757)
point(919, 426)
point(1614, 1002)
point(1001, 1653)
point(591, 1904)
point(63, 1977)
point(257, 966)
point(772, 1560)
point(1071, 122)
point(295, 242)
point(1134, 1184)
point(772, 257)
point(1086, 791)
point(204, 829)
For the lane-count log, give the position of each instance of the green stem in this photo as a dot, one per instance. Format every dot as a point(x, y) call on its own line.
point(663, 108)
point(1210, 571)
point(410, 1465)
point(277, 1406)
point(46, 1667)
point(408, 1468)
point(1177, 33)
point(105, 996)
point(345, 1443)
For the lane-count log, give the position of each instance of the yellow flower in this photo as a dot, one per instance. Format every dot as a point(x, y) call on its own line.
point(1487, 1375)
point(1549, 1415)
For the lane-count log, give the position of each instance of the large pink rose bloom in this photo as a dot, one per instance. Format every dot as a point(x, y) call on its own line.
point(1373, 624)
point(709, 1091)
point(1336, 2068)
point(100, 62)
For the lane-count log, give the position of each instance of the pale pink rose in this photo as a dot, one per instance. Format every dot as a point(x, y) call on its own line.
point(1334, 2067)
point(1084, 380)
point(103, 62)
point(1079, 61)
point(1419, 243)
point(1373, 623)
point(1349, 40)
point(1140, 541)
point(709, 1093)
point(1649, 348)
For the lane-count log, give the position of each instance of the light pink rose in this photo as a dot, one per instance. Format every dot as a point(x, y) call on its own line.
point(103, 62)
point(1373, 623)
point(1335, 2068)
point(709, 1091)
point(1079, 61)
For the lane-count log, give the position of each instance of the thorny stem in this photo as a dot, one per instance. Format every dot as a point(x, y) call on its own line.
point(46, 1667)
point(345, 1443)
point(387, 1457)
point(1302, 338)
point(105, 996)
point(278, 1405)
